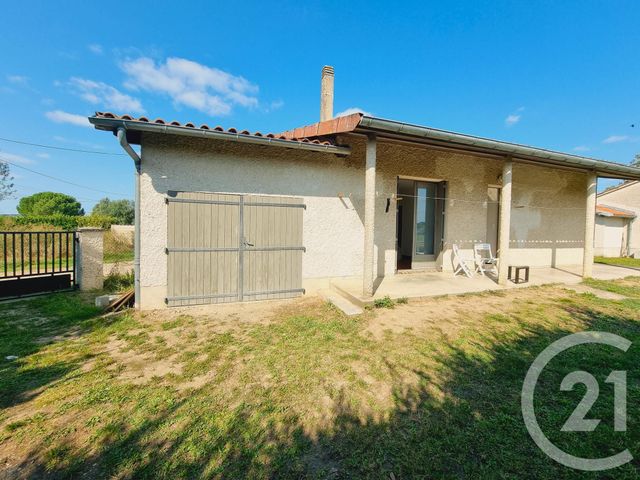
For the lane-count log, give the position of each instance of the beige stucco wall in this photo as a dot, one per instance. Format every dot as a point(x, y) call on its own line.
point(610, 237)
point(333, 190)
point(548, 205)
point(332, 226)
point(627, 198)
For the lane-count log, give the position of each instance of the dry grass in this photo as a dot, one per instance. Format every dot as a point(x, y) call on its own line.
point(298, 390)
point(117, 248)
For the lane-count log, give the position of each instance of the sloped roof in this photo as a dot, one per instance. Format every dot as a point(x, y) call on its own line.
point(618, 187)
point(391, 129)
point(111, 122)
point(607, 211)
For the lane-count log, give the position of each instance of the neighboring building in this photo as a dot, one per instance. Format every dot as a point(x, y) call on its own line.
point(617, 226)
point(226, 215)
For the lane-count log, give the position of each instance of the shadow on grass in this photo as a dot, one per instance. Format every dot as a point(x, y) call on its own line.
point(474, 430)
point(24, 334)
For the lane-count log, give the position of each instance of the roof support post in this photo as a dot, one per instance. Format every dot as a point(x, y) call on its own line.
point(590, 225)
point(630, 237)
point(369, 215)
point(505, 221)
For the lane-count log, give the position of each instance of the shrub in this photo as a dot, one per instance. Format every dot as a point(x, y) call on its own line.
point(100, 221)
point(65, 222)
point(119, 282)
point(384, 302)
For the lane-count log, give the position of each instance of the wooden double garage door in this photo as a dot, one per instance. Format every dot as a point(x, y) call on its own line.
point(233, 248)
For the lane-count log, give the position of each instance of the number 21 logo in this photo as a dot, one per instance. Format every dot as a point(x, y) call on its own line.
point(577, 421)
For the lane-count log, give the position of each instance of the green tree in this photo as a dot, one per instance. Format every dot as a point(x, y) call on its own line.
point(121, 210)
point(49, 203)
point(636, 161)
point(6, 181)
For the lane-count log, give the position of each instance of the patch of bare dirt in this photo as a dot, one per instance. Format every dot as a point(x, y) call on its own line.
point(450, 314)
point(140, 368)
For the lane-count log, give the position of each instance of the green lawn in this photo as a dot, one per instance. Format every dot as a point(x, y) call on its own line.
point(427, 389)
point(624, 262)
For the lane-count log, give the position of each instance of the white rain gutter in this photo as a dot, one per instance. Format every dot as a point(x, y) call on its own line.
point(518, 152)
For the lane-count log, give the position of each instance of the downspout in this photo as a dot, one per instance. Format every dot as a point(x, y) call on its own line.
point(122, 138)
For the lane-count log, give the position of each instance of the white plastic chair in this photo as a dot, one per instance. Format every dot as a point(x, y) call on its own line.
point(461, 262)
point(484, 259)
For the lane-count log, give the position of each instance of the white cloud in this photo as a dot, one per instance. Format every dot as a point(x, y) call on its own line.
point(59, 116)
point(581, 148)
point(11, 157)
point(276, 104)
point(95, 48)
point(514, 117)
point(43, 155)
point(17, 79)
point(191, 84)
point(615, 139)
point(352, 110)
point(99, 93)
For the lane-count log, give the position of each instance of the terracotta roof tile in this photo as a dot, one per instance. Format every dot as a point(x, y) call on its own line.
point(344, 124)
point(159, 121)
point(608, 211)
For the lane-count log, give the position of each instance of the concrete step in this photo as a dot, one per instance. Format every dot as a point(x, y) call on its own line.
point(361, 302)
point(418, 271)
point(348, 308)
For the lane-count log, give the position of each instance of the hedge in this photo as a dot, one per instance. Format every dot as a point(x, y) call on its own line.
point(67, 222)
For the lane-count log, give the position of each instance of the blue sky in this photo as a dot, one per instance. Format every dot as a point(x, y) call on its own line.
point(559, 75)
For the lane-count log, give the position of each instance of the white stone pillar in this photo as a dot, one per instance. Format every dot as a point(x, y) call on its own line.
point(369, 215)
point(505, 221)
point(590, 225)
point(90, 258)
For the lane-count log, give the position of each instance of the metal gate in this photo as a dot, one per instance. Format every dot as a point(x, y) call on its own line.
point(36, 262)
point(230, 248)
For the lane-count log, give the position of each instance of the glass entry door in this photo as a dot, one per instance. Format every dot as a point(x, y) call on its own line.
point(424, 241)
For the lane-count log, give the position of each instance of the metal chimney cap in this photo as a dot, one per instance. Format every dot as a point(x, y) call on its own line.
point(327, 70)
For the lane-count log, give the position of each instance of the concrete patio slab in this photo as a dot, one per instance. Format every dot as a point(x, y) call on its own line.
point(433, 284)
point(597, 292)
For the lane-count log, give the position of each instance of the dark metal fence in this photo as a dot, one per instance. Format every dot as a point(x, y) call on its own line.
point(35, 262)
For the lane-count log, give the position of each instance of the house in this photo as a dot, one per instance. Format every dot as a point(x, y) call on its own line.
point(228, 215)
point(617, 228)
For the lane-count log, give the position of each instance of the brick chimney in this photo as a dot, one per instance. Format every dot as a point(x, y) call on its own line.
point(326, 94)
